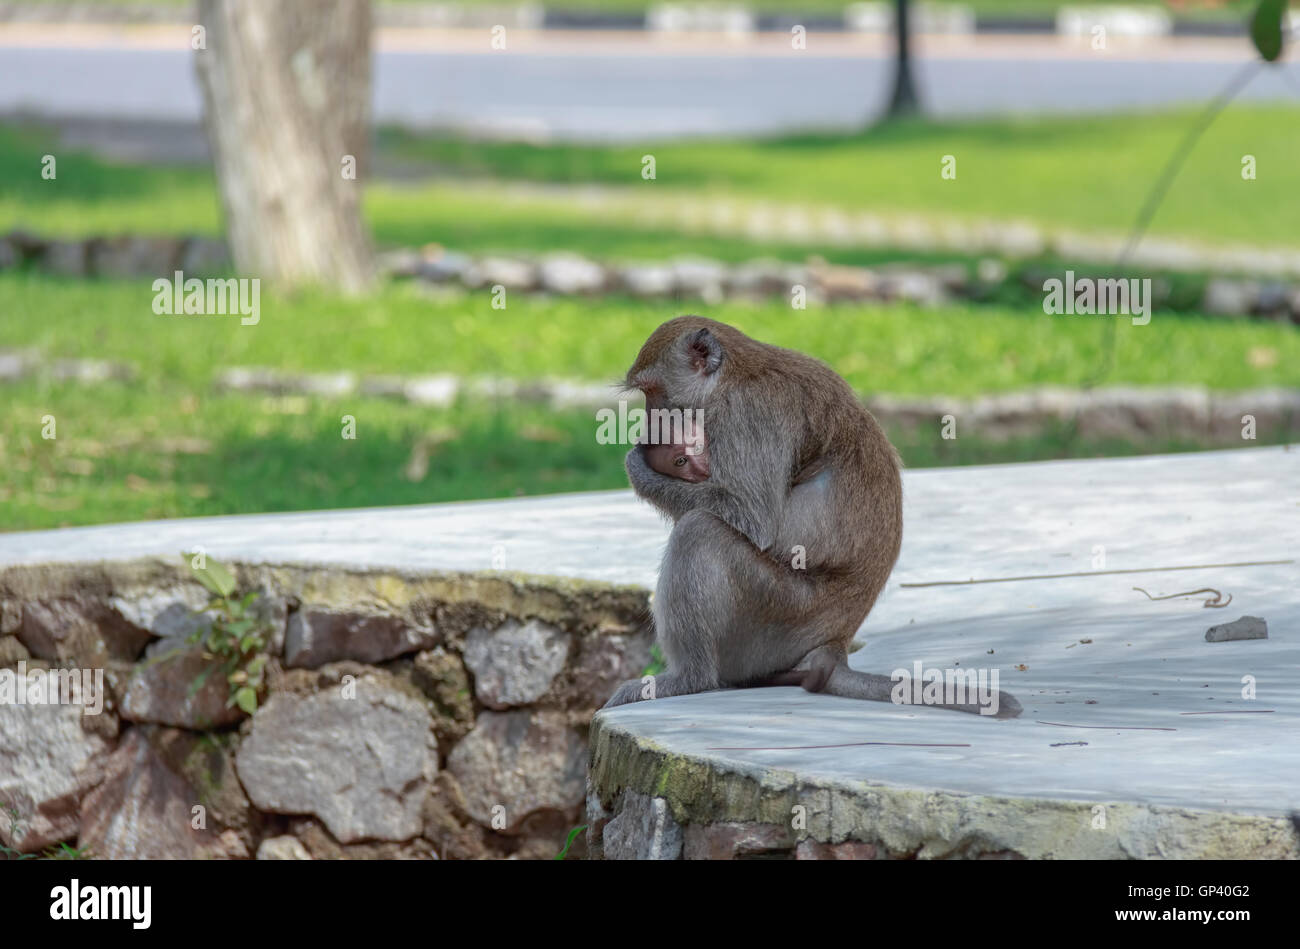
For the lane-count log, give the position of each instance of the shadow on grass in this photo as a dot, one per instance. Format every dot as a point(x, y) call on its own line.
point(80, 175)
point(739, 163)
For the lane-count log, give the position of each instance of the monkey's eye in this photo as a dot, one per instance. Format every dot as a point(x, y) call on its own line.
point(679, 460)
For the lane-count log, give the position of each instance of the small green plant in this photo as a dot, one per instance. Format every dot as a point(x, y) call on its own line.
point(657, 662)
point(60, 851)
point(237, 636)
point(569, 843)
point(15, 823)
point(65, 852)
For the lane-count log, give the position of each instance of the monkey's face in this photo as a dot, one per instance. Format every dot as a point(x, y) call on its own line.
point(692, 468)
point(689, 463)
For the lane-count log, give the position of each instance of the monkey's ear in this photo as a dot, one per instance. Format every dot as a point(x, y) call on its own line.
point(705, 351)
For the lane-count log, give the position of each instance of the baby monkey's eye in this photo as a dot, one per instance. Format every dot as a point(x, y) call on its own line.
point(679, 460)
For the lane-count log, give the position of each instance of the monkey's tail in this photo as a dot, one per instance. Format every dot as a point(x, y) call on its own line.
point(873, 687)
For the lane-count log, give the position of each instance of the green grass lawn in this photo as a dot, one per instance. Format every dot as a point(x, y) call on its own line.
point(167, 445)
point(1035, 8)
point(158, 449)
point(1081, 173)
point(127, 453)
point(898, 349)
point(1090, 173)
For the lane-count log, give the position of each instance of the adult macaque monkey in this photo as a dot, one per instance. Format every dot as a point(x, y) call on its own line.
point(794, 459)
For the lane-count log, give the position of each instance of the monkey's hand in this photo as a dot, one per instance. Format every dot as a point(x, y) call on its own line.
point(673, 496)
point(676, 497)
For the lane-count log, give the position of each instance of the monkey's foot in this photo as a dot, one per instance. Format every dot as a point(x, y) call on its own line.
point(629, 691)
point(659, 686)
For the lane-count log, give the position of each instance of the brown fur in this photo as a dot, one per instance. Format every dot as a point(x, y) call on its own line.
point(796, 462)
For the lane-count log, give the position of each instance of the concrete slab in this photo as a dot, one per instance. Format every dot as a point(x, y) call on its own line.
point(1162, 712)
point(607, 535)
point(1126, 705)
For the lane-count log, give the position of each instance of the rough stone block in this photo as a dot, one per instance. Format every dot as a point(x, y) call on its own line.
point(644, 829)
point(525, 761)
point(359, 760)
point(848, 850)
point(515, 663)
point(317, 636)
point(48, 762)
point(735, 840)
point(145, 808)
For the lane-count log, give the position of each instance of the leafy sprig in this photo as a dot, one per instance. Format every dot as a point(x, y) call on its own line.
point(236, 637)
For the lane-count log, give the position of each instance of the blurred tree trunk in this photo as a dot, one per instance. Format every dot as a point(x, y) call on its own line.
point(286, 93)
point(904, 100)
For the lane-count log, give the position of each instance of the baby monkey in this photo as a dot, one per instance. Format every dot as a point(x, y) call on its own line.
point(686, 457)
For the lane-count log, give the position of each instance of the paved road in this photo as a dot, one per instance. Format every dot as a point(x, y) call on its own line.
point(564, 88)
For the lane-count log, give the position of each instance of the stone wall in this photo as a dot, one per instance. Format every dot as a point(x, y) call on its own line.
point(1143, 416)
point(690, 281)
point(405, 714)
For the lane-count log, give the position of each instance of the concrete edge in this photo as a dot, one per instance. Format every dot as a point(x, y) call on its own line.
point(910, 822)
point(570, 603)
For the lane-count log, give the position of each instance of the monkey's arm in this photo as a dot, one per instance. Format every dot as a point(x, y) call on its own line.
point(755, 509)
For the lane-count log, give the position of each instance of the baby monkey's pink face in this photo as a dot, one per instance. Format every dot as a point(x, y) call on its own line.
point(687, 459)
